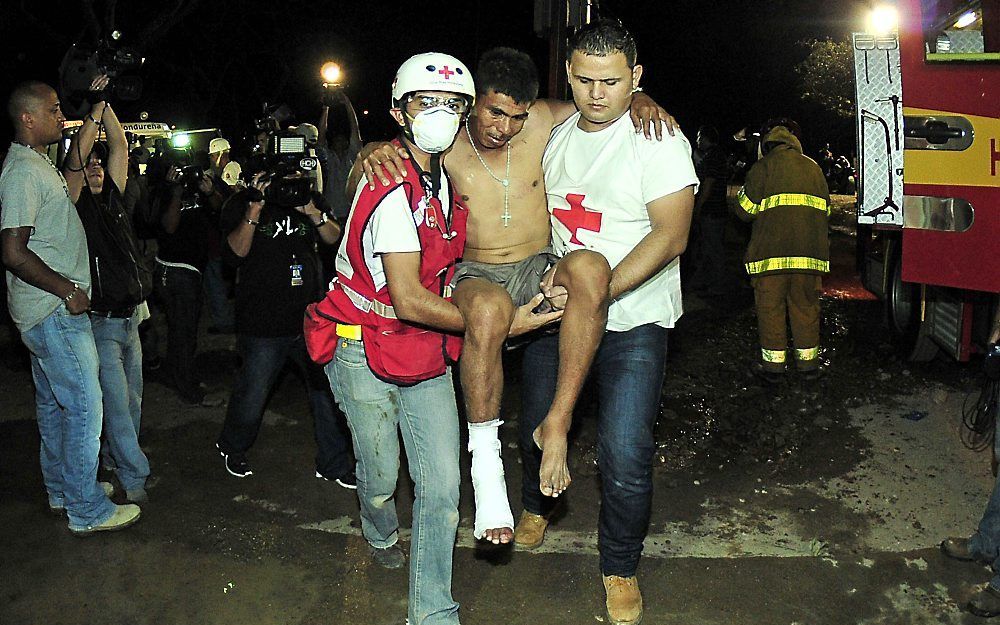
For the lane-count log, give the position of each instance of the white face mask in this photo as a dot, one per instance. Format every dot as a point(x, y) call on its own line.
point(435, 129)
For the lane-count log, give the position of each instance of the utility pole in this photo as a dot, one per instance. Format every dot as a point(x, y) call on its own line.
point(555, 20)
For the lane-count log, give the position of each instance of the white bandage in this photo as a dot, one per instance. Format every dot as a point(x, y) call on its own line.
point(492, 506)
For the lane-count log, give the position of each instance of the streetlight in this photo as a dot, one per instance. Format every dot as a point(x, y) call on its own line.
point(883, 20)
point(331, 73)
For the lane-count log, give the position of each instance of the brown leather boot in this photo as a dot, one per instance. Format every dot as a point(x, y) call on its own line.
point(530, 530)
point(624, 601)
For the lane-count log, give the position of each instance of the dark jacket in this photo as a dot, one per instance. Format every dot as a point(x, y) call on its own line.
point(787, 199)
point(121, 278)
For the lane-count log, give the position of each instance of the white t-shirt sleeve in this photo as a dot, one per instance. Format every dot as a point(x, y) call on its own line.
point(20, 199)
point(392, 225)
point(666, 166)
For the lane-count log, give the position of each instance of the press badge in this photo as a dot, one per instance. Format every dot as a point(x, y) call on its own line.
point(296, 270)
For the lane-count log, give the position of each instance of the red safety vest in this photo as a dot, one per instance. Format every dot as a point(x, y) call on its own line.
point(397, 351)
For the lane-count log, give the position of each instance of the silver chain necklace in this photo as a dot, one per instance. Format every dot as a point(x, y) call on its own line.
point(505, 181)
point(62, 178)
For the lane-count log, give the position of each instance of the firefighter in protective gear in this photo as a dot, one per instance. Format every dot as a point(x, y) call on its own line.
point(786, 198)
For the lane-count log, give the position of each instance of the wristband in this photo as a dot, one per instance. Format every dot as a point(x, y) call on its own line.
point(252, 222)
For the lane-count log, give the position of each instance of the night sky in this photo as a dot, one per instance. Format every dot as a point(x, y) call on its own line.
point(727, 63)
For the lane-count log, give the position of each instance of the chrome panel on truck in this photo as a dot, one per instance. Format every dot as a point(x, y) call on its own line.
point(945, 214)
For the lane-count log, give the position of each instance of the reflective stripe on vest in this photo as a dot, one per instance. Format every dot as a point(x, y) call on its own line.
point(788, 262)
point(809, 353)
point(368, 305)
point(772, 355)
point(781, 199)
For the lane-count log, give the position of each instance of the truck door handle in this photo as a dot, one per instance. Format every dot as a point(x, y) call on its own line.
point(937, 133)
point(934, 131)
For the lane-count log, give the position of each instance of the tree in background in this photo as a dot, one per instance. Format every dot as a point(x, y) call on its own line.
point(826, 76)
point(826, 89)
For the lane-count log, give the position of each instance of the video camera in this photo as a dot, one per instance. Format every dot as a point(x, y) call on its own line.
point(82, 64)
point(192, 165)
point(288, 166)
point(191, 175)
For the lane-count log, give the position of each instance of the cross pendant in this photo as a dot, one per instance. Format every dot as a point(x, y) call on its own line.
point(505, 217)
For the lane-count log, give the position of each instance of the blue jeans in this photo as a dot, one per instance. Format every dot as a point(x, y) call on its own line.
point(628, 371)
point(263, 360)
point(68, 407)
point(120, 356)
point(427, 416)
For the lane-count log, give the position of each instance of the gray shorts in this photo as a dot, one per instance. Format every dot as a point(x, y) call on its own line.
point(520, 279)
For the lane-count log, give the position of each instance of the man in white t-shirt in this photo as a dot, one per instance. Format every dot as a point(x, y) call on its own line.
point(615, 192)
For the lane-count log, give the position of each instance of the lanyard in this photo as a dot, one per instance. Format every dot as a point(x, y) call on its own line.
point(431, 184)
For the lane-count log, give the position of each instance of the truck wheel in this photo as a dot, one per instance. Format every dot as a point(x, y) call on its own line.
point(902, 308)
point(902, 302)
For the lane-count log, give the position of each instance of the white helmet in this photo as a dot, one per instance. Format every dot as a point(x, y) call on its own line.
point(433, 71)
point(217, 144)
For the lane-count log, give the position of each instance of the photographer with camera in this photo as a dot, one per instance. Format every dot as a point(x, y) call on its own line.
point(273, 229)
point(188, 210)
point(121, 281)
point(337, 153)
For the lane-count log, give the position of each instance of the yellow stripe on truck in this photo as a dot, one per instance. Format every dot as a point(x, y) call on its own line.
point(978, 166)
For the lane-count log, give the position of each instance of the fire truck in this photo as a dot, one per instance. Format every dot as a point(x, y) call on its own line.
point(928, 127)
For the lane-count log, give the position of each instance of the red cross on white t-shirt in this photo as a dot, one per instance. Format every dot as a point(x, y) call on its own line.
point(577, 217)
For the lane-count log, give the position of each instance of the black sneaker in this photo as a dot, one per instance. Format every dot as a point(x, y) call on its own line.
point(237, 465)
point(348, 480)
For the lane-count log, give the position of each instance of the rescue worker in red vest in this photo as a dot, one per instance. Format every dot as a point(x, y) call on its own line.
point(396, 334)
point(787, 199)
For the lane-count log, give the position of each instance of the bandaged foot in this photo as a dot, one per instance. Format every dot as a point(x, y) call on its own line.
point(494, 520)
point(553, 474)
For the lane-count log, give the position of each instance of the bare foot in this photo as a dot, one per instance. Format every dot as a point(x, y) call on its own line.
point(499, 536)
point(553, 475)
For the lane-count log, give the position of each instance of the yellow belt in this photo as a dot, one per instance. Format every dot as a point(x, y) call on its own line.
point(349, 332)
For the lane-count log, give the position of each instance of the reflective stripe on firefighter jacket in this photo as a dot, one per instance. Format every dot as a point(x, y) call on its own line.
point(786, 198)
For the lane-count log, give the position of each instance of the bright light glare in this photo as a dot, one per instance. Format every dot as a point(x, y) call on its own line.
point(883, 20)
point(966, 20)
point(181, 141)
point(330, 72)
